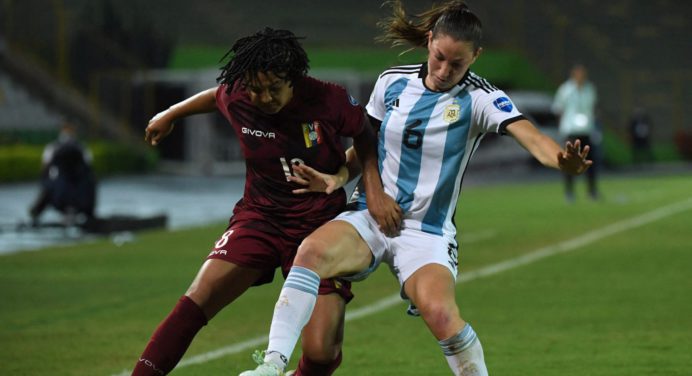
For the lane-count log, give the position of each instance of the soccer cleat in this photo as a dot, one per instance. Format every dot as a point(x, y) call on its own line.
point(412, 310)
point(263, 369)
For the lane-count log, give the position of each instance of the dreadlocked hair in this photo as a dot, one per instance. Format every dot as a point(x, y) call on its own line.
point(453, 18)
point(268, 50)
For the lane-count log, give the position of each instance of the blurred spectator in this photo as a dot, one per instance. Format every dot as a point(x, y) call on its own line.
point(67, 180)
point(575, 103)
point(640, 136)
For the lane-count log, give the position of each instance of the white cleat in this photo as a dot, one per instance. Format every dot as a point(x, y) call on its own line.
point(263, 369)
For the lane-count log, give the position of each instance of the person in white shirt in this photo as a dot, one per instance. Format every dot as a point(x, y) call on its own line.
point(575, 103)
point(431, 118)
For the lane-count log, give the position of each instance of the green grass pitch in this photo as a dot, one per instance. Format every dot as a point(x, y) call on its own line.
point(618, 303)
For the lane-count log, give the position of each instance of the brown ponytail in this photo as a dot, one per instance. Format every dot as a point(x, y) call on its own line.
point(452, 18)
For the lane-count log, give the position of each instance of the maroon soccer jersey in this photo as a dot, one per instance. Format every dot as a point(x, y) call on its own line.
point(307, 130)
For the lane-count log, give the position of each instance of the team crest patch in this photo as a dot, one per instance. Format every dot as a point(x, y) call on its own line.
point(452, 113)
point(311, 134)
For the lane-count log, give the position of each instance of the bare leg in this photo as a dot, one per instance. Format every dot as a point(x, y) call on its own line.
point(432, 290)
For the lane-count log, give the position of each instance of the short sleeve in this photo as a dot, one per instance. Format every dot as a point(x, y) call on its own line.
point(222, 99)
point(494, 111)
point(350, 113)
point(375, 106)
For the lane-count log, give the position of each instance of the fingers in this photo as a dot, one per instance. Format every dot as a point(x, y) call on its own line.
point(390, 220)
point(306, 171)
point(391, 227)
point(150, 136)
point(157, 129)
point(585, 152)
point(298, 179)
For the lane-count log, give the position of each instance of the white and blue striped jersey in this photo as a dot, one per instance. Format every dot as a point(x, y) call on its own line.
point(427, 139)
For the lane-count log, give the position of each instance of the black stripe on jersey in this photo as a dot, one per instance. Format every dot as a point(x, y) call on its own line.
point(403, 69)
point(423, 72)
point(503, 126)
point(406, 67)
point(473, 82)
point(481, 83)
point(463, 82)
point(485, 82)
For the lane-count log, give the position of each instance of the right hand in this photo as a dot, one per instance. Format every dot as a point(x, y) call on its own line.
point(159, 127)
point(386, 212)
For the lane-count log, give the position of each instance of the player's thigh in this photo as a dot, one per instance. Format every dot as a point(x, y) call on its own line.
point(218, 283)
point(323, 335)
point(334, 249)
point(431, 289)
point(413, 249)
point(426, 265)
point(431, 285)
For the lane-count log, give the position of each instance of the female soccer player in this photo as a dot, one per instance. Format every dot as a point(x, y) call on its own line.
point(431, 118)
point(283, 119)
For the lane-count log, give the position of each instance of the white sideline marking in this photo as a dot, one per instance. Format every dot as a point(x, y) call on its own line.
point(541, 253)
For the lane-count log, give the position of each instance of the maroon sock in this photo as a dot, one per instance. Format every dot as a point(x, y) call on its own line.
point(171, 339)
point(307, 367)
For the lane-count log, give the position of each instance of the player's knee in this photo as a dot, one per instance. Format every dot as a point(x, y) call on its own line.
point(439, 316)
point(314, 255)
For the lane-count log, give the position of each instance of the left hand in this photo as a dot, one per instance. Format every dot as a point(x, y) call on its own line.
point(314, 181)
point(573, 159)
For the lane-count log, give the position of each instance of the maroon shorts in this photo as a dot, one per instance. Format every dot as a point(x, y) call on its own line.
point(261, 245)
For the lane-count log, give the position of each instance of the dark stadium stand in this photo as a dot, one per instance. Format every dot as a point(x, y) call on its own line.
point(637, 52)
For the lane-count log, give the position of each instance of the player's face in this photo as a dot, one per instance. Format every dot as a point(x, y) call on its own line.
point(269, 92)
point(448, 61)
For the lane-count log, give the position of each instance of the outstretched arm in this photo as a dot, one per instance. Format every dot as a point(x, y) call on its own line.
point(162, 123)
point(571, 160)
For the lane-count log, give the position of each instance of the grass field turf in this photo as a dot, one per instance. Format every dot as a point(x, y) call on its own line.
point(617, 306)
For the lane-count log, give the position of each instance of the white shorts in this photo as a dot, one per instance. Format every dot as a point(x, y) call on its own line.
point(405, 253)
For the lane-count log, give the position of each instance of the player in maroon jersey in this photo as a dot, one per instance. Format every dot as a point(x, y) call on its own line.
point(282, 118)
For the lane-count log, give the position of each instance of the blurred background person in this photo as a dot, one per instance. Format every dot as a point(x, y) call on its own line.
point(67, 179)
point(640, 136)
point(575, 102)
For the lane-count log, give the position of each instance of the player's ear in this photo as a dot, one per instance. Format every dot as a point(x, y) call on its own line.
point(476, 54)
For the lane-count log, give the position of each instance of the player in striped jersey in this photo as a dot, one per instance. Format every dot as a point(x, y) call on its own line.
point(431, 118)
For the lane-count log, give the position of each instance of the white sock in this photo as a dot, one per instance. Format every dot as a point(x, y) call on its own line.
point(464, 353)
point(291, 313)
